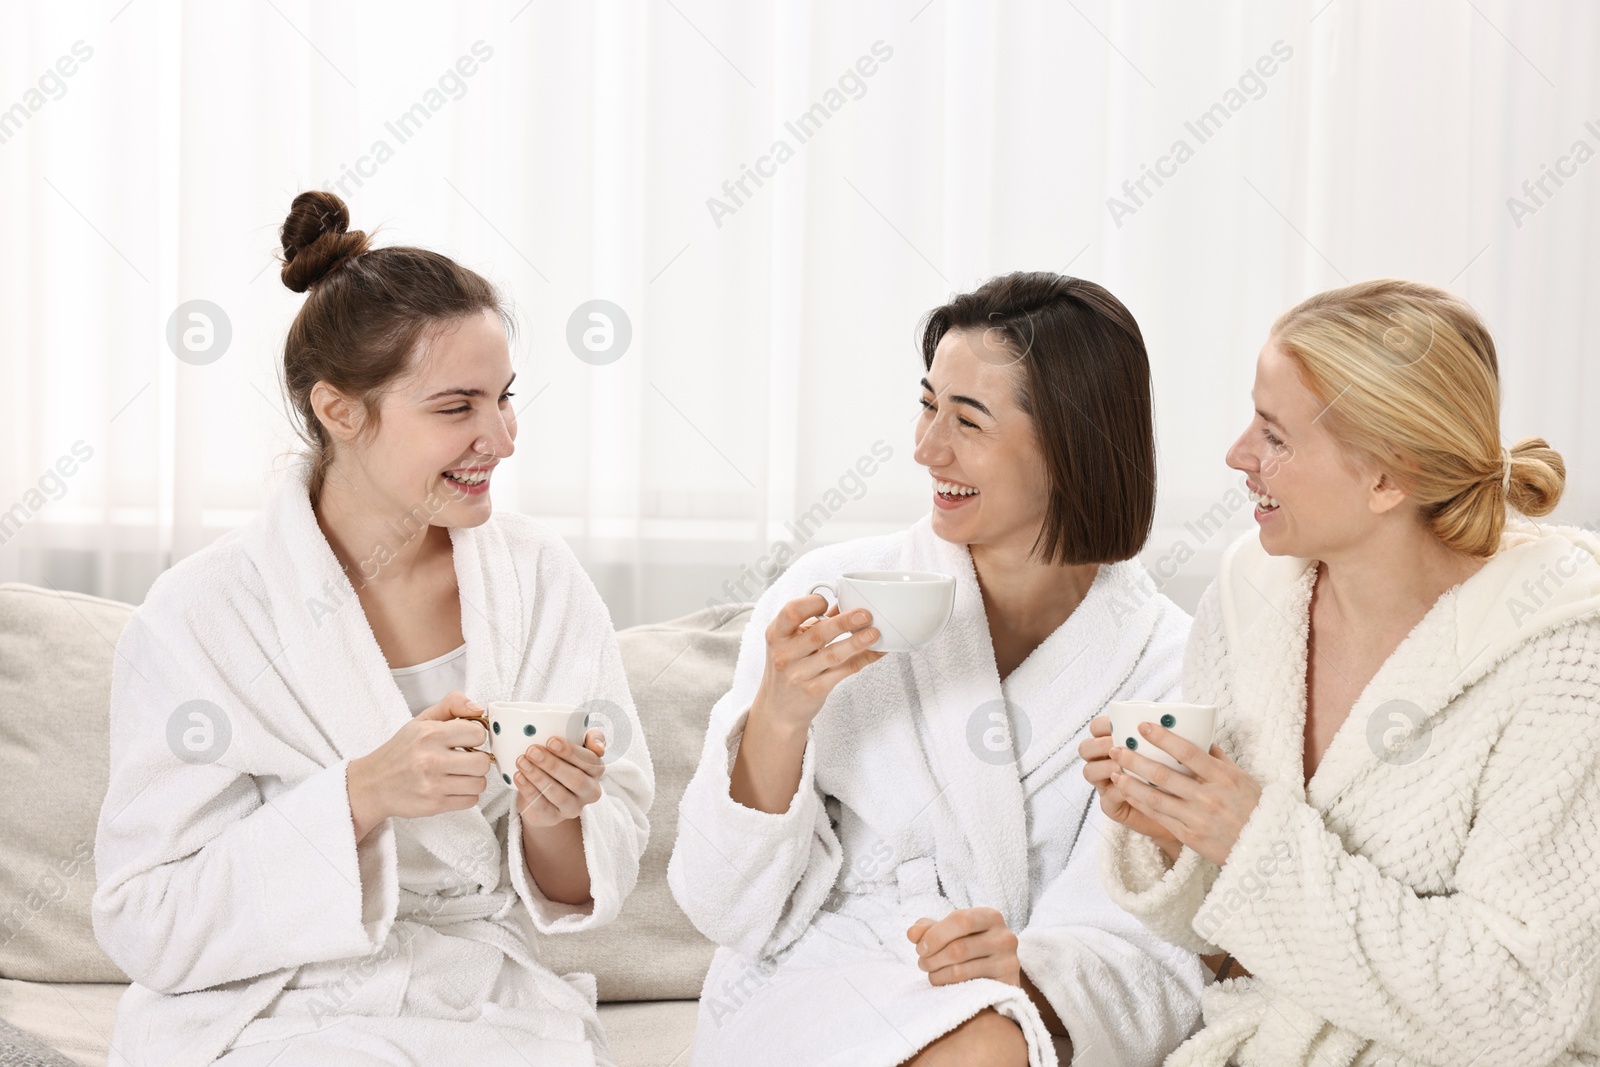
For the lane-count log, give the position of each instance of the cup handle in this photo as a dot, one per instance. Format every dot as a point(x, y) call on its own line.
point(488, 734)
point(828, 587)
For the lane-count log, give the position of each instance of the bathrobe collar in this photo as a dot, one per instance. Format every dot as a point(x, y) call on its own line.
point(355, 704)
point(1100, 642)
point(1543, 576)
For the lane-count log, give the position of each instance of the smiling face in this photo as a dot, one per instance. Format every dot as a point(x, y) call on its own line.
point(979, 445)
point(1313, 499)
point(444, 424)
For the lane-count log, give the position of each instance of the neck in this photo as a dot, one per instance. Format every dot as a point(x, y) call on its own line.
point(1024, 594)
point(376, 541)
point(1393, 576)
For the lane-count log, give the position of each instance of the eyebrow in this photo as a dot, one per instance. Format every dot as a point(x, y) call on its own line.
point(959, 399)
point(465, 392)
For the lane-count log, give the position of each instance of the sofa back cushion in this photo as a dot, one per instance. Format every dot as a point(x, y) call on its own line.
point(676, 671)
point(55, 688)
point(56, 651)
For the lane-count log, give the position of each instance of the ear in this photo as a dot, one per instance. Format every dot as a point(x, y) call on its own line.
point(1383, 494)
point(341, 416)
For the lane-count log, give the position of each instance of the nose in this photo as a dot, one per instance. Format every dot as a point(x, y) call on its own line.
point(933, 444)
point(499, 436)
point(1240, 457)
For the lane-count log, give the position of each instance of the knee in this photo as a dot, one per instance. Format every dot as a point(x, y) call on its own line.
point(988, 1039)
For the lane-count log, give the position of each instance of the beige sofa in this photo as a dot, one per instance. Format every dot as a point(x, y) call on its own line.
point(59, 991)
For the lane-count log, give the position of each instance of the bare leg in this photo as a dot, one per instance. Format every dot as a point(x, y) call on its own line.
point(988, 1039)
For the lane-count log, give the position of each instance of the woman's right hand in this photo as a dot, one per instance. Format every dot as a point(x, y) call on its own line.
point(802, 667)
point(429, 766)
point(1098, 768)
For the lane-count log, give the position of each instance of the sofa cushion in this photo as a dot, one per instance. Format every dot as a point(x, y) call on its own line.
point(56, 651)
point(73, 1024)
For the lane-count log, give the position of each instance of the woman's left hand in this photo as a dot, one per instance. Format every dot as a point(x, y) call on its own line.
point(967, 943)
point(1206, 812)
point(555, 781)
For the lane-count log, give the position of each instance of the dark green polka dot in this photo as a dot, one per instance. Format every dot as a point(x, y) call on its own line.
point(1169, 720)
point(507, 777)
point(1133, 742)
point(495, 727)
point(529, 730)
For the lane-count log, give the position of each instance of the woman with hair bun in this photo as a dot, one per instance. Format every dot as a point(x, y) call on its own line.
point(304, 856)
point(1390, 854)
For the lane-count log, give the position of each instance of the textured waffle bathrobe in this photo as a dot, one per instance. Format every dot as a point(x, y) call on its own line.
point(1432, 896)
point(928, 784)
point(231, 888)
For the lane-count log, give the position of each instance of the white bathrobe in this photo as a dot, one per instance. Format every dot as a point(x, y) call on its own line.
point(230, 885)
point(913, 802)
point(1433, 895)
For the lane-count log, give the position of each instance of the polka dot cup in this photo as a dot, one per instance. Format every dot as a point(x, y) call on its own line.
point(1196, 723)
point(514, 726)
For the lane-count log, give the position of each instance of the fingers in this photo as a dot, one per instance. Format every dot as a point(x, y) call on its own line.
point(1100, 726)
point(455, 703)
point(819, 639)
point(594, 740)
point(919, 928)
point(539, 790)
point(963, 922)
point(1150, 801)
point(1184, 751)
point(464, 785)
point(865, 658)
point(1096, 747)
point(579, 779)
point(462, 733)
point(797, 611)
point(1158, 774)
point(464, 761)
point(964, 945)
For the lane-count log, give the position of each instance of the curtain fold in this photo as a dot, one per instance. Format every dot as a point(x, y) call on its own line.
point(767, 198)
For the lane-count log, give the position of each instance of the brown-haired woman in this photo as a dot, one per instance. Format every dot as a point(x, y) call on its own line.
point(1391, 854)
point(898, 856)
point(302, 853)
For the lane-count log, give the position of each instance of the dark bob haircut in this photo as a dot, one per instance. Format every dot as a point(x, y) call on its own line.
point(1085, 384)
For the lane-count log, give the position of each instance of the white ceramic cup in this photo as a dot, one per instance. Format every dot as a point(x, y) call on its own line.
point(513, 725)
point(909, 608)
point(1195, 723)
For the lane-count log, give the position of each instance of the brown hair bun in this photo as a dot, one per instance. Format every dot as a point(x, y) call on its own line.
point(316, 238)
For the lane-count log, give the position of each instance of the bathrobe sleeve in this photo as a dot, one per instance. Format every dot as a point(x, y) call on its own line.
point(752, 880)
point(195, 860)
point(615, 828)
point(1125, 996)
point(1505, 968)
point(1166, 895)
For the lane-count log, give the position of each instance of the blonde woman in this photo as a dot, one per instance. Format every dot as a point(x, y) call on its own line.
point(1390, 855)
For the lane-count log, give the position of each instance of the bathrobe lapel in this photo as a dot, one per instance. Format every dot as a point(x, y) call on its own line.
point(353, 702)
point(984, 833)
point(1266, 606)
point(1076, 671)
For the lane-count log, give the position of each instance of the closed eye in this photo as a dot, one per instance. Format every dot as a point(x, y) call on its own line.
point(926, 406)
point(468, 407)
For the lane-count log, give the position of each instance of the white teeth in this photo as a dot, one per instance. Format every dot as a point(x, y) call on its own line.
point(951, 489)
point(467, 479)
point(1262, 500)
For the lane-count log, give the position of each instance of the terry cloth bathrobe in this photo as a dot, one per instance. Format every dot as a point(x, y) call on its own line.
point(927, 785)
point(231, 888)
point(1433, 896)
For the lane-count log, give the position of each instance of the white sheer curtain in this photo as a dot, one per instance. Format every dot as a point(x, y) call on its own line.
point(571, 152)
